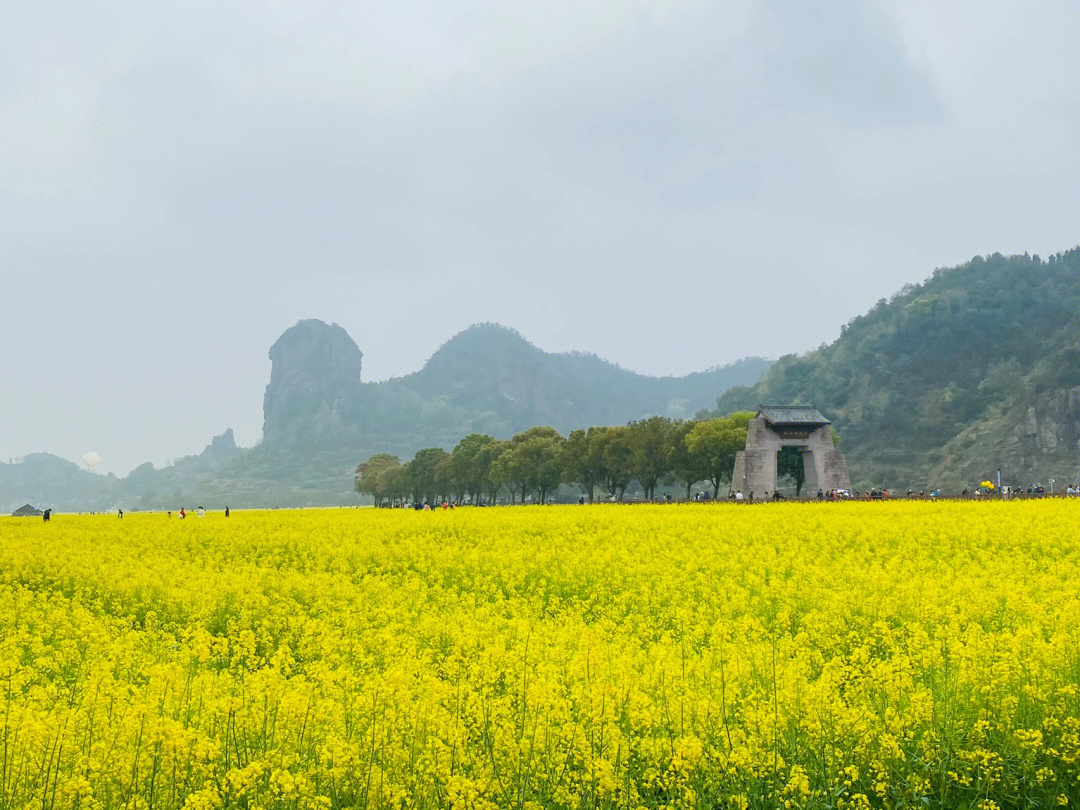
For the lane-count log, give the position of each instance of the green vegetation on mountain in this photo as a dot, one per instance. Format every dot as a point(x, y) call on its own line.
point(486, 379)
point(320, 419)
point(976, 368)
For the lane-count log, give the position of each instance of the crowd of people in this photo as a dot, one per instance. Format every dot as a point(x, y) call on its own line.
point(739, 497)
point(199, 510)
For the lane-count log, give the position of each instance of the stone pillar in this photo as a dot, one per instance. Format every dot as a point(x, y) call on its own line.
point(835, 469)
point(738, 475)
point(760, 472)
point(811, 484)
point(830, 468)
point(759, 459)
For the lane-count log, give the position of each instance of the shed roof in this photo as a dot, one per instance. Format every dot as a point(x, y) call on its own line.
point(801, 415)
point(26, 510)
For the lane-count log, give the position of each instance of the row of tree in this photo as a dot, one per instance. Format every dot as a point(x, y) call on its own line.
point(535, 462)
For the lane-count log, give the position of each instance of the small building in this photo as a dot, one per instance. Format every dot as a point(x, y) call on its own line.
point(26, 510)
point(778, 426)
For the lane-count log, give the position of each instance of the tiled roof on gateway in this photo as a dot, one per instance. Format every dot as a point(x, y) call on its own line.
point(792, 415)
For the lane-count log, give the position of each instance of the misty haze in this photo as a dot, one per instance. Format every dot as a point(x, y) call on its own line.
point(653, 405)
point(672, 187)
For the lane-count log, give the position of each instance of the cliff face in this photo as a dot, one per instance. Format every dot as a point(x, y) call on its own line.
point(1050, 428)
point(315, 371)
point(1031, 442)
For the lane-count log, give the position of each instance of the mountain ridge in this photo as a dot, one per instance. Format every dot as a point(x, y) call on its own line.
point(973, 370)
point(320, 418)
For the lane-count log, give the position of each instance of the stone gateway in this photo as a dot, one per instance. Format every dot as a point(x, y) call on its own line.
point(778, 426)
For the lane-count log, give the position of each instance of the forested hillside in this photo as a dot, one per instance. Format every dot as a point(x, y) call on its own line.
point(487, 378)
point(321, 419)
point(978, 367)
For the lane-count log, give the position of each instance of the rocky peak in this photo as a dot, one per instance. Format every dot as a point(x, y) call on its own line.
point(482, 343)
point(311, 363)
point(313, 352)
point(221, 450)
point(225, 443)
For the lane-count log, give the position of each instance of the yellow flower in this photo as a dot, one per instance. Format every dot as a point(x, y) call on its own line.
point(540, 656)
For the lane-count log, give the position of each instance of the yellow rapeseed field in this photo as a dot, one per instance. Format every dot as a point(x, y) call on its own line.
point(801, 656)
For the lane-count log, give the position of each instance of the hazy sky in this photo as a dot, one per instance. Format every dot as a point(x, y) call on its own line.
point(671, 185)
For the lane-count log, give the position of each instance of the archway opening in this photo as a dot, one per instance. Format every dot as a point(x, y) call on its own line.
point(791, 467)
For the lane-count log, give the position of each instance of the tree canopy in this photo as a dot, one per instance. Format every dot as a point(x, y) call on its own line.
point(532, 465)
point(714, 442)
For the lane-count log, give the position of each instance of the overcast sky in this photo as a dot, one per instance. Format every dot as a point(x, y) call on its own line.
point(671, 185)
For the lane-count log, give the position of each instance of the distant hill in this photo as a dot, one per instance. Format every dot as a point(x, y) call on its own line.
point(487, 378)
point(42, 479)
point(976, 368)
point(321, 419)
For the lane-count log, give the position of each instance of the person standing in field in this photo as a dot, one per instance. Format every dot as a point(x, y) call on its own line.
point(226, 511)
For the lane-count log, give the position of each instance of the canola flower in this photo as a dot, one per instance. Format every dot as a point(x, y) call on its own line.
point(853, 655)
